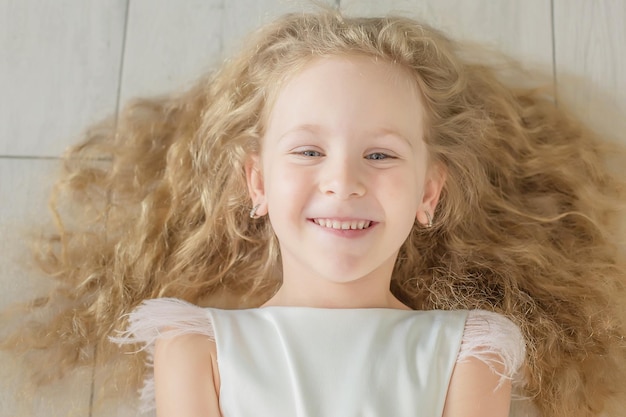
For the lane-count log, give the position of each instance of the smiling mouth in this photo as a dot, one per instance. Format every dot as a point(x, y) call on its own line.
point(343, 225)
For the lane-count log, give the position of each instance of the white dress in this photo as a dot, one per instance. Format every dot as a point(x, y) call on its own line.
point(316, 362)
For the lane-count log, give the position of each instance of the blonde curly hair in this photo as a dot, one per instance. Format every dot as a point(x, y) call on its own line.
point(526, 226)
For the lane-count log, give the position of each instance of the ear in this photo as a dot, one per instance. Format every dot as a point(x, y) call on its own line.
point(435, 180)
point(256, 188)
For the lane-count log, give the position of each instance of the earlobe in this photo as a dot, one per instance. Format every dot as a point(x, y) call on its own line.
point(425, 218)
point(256, 189)
point(433, 186)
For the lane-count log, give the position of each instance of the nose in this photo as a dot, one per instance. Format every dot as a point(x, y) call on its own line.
point(342, 178)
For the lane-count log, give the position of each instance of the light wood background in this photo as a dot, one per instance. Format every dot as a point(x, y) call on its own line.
point(67, 63)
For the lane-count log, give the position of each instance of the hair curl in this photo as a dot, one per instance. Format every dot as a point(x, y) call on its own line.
point(526, 225)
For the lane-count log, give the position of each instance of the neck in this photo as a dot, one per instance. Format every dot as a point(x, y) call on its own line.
point(303, 290)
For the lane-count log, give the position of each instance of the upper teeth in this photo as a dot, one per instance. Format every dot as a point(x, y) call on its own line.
point(336, 224)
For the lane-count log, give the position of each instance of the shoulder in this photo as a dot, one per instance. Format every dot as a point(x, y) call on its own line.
point(187, 347)
point(186, 380)
point(475, 390)
point(189, 355)
point(490, 358)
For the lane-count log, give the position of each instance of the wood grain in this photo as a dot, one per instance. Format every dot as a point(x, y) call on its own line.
point(520, 29)
point(169, 44)
point(59, 71)
point(590, 58)
point(23, 192)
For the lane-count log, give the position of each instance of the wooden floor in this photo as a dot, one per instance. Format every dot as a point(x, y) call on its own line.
point(68, 63)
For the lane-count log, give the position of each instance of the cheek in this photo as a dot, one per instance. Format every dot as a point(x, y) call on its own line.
point(405, 187)
point(287, 183)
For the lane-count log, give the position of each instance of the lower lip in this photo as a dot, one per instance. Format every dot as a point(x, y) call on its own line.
point(347, 233)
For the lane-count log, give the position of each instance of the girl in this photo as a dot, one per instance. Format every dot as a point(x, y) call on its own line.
point(343, 172)
point(340, 174)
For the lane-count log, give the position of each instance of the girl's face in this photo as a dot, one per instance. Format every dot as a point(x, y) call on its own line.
point(343, 170)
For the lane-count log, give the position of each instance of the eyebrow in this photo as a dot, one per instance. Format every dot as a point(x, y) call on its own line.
point(316, 129)
point(307, 127)
point(391, 132)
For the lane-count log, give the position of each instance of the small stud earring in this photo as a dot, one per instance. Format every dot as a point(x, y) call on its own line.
point(429, 224)
point(253, 211)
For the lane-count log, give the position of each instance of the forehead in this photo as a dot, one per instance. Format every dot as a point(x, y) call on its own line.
point(348, 92)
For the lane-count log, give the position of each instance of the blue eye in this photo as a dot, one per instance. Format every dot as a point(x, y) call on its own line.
point(310, 153)
point(378, 156)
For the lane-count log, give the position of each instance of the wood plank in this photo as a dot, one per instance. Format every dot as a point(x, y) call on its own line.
point(521, 29)
point(24, 191)
point(113, 406)
point(241, 17)
point(168, 44)
point(590, 58)
point(60, 71)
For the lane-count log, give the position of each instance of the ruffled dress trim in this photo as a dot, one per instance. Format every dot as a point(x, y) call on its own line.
point(495, 340)
point(489, 337)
